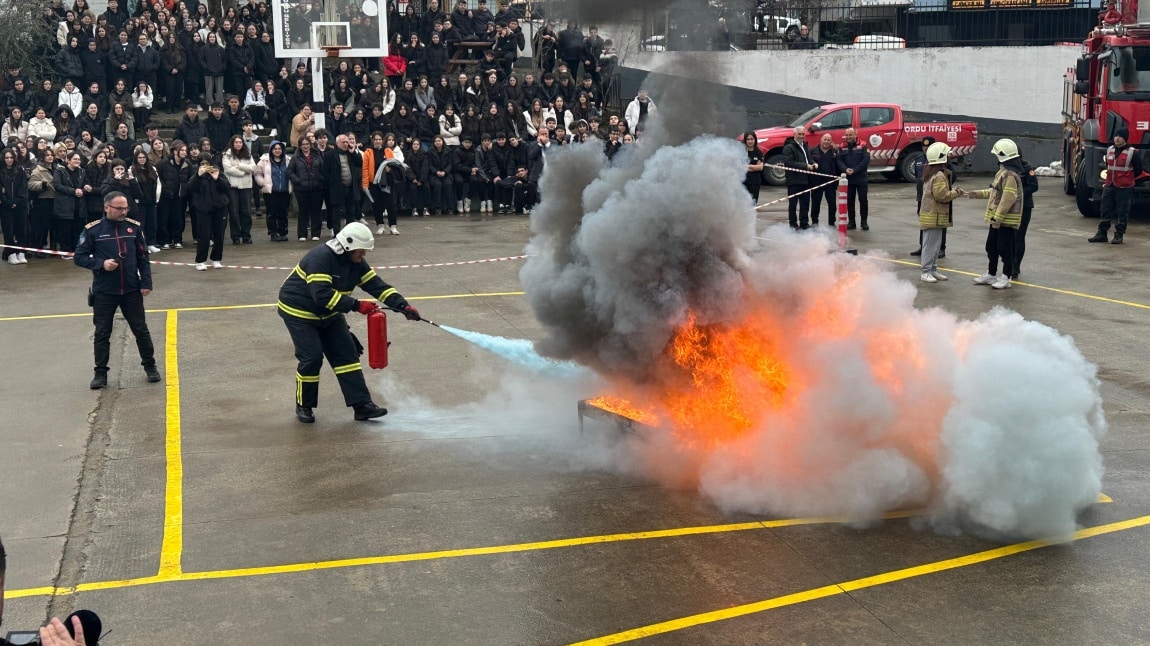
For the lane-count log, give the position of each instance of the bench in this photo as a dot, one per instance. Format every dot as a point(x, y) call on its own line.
point(464, 54)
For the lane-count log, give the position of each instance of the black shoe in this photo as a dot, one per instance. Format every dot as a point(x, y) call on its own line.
point(364, 412)
point(804, 227)
point(152, 373)
point(916, 252)
point(304, 414)
point(851, 226)
point(1098, 237)
point(247, 240)
point(235, 240)
point(865, 226)
point(1117, 239)
point(942, 254)
point(99, 381)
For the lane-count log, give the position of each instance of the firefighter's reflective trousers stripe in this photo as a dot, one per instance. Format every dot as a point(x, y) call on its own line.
point(332, 338)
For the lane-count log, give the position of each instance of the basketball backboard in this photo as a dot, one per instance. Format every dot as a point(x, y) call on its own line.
point(305, 27)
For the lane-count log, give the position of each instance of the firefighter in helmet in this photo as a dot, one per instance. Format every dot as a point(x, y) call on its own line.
point(312, 303)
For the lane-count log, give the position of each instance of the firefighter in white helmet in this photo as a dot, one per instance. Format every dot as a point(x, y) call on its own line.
point(1003, 214)
point(934, 210)
point(312, 303)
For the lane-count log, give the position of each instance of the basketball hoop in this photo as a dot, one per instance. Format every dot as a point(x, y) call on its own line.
point(334, 50)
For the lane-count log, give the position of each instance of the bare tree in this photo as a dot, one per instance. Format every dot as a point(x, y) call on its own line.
point(27, 36)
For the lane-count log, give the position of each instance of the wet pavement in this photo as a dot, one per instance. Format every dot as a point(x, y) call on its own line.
point(198, 510)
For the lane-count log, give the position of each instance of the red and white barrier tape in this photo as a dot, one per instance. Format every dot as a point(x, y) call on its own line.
point(798, 170)
point(787, 197)
point(169, 263)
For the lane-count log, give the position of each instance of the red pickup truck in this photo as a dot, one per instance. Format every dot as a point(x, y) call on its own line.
point(894, 145)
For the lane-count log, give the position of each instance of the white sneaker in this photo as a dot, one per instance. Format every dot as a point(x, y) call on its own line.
point(217, 264)
point(1003, 282)
point(179, 245)
point(938, 275)
point(394, 230)
point(459, 206)
point(467, 206)
point(14, 259)
point(153, 249)
point(166, 247)
point(985, 279)
point(928, 278)
point(201, 266)
point(316, 238)
point(380, 230)
point(23, 258)
point(273, 133)
point(303, 239)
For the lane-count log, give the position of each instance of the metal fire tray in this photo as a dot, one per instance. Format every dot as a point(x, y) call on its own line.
point(622, 423)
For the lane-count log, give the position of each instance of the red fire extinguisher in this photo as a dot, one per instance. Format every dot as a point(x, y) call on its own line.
point(377, 340)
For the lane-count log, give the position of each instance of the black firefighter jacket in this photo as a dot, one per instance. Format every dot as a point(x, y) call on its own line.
point(320, 286)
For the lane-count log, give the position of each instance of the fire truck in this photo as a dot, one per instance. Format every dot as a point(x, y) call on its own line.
point(1108, 89)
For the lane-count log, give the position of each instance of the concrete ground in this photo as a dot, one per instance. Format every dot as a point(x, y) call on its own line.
point(198, 511)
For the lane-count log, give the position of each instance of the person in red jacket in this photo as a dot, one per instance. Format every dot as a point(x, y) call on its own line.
point(1123, 166)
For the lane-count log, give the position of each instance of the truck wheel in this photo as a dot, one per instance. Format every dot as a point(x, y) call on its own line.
point(776, 176)
point(1083, 193)
point(906, 165)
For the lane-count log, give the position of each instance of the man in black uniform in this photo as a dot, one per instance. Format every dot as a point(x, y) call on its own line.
point(115, 251)
point(312, 303)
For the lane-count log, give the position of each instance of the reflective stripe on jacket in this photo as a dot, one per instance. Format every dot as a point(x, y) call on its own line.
point(1120, 167)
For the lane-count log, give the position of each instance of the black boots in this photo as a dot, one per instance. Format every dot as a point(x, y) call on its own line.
point(865, 226)
point(1117, 239)
point(100, 380)
point(1100, 236)
point(152, 373)
point(304, 414)
point(851, 225)
point(364, 412)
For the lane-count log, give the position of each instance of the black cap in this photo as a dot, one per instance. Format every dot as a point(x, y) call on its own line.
point(1122, 132)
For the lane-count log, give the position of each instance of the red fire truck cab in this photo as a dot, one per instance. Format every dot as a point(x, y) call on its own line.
point(1108, 89)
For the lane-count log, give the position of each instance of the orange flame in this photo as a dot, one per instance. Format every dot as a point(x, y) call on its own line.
point(623, 407)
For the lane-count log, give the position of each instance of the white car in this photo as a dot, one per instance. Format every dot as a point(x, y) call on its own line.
point(786, 27)
point(873, 41)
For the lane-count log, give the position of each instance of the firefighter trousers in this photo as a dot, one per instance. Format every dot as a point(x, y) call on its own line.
point(332, 338)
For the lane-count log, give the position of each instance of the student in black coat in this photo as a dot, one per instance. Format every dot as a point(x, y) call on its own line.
point(440, 180)
point(418, 171)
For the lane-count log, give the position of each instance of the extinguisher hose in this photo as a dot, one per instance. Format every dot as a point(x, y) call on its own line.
point(397, 311)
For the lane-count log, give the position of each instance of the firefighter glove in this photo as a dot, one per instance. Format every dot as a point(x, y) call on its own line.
point(366, 307)
point(411, 313)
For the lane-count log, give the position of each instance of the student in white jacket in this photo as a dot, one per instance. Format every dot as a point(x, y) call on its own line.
point(638, 110)
point(239, 167)
point(450, 126)
point(41, 126)
point(72, 97)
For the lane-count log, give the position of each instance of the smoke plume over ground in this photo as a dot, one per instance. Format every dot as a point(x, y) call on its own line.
point(788, 379)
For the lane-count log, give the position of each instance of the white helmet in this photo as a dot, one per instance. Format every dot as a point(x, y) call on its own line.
point(354, 236)
point(937, 153)
point(1004, 150)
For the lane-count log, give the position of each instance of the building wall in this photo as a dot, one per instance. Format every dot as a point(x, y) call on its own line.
point(1016, 83)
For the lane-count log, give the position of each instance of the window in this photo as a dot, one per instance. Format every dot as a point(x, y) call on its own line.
point(837, 120)
point(873, 117)
point(1129, 72)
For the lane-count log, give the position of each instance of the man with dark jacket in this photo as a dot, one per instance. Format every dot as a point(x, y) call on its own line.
point(174, 173)
point(826, 160)
point(342, 168)
point(114, 250)
point(116, 15)
point(241, 63)
point(1123, 166)
point(797, 159)
point(218, 129)
point(853, 160)
point(121, 61)
point(95, 64)
point(571, 47)
point(147, 63)
point(191, 130)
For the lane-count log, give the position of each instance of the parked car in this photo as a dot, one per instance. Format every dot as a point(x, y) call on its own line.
point(872, 41)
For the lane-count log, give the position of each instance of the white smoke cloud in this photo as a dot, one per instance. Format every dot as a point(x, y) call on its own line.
point(991, 426)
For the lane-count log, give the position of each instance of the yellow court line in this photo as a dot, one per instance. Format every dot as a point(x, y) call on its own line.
point(442, 554)
point(172, 548)
point(213, 308)
point(1064, 292)
point(850, 586)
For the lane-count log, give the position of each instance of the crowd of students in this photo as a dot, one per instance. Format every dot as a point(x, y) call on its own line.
point(397, 137)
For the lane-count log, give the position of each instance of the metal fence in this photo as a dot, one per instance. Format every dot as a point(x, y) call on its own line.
point(875, 24)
